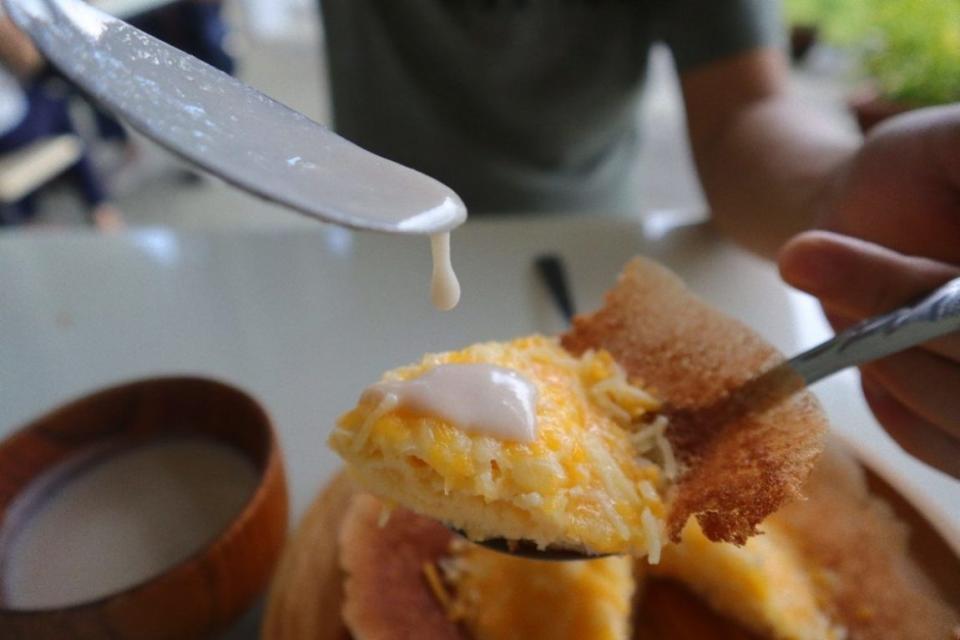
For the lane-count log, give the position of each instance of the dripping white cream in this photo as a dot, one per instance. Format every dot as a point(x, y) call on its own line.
point(477, 398)
point(444, 286)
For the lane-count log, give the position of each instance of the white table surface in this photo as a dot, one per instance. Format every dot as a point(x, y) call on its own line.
point(304, 320)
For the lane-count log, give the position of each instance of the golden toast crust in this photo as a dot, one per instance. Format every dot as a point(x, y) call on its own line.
point(692, 356)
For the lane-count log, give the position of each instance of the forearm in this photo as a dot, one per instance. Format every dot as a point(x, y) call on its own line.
point(765, 160)
point(767, 175)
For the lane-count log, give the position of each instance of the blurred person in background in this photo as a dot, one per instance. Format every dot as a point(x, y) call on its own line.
point(34, 106)
point(529, 105)
point(193, 26)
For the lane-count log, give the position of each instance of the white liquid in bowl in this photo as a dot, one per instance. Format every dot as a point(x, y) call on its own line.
point(121, 521)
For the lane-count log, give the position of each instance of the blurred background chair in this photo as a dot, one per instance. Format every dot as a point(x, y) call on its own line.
point(38, 138)
point(24, 171)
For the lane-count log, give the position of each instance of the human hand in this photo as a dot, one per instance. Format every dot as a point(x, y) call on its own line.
point(17, 52)
point(897, 206)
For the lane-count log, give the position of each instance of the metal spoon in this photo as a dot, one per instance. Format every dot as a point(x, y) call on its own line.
point(934, 316)
point(230, 129)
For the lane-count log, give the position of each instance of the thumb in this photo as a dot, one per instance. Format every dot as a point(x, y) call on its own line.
point(857, 279)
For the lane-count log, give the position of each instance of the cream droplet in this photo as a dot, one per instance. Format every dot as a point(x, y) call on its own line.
point(473, 397)
point(444, 286)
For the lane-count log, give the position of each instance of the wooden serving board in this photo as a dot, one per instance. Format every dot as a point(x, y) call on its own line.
point(305, 600)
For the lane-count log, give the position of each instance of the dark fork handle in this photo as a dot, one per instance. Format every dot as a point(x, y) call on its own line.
point(553, 272)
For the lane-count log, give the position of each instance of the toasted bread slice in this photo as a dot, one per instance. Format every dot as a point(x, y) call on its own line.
point(693, 358)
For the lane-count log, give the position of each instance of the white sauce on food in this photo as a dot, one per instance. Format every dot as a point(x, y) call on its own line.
point(444, 286)
point(477, 398)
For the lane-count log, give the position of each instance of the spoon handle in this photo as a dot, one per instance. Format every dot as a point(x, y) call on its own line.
point(230, 129)
point(932, 317)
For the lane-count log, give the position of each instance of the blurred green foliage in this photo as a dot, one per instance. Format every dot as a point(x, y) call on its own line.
point(911, 48)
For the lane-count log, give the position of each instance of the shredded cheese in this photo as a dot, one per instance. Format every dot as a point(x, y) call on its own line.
point(652, 532)
point(432, 576)
point(387, 404)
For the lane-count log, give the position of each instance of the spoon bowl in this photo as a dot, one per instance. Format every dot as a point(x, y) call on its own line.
point(528, 549)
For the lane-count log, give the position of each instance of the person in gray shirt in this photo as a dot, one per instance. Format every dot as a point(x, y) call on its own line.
point(529, 105)
point(519, 106)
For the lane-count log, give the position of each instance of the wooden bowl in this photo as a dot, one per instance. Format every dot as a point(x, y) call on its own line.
point(202, 595)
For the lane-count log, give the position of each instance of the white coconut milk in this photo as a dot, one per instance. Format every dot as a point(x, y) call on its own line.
point(121, 520)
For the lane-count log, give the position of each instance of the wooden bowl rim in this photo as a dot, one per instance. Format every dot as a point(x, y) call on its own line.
point(271, 468)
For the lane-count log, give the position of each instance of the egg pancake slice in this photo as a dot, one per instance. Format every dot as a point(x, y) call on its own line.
point(591, 477)
point(500, 597)
point(764, 584)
